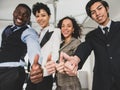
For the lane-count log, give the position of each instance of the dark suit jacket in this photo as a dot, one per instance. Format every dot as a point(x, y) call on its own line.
point(107, 56)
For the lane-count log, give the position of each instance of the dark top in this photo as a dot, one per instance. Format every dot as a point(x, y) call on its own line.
point(107, 56)
point(12, 48)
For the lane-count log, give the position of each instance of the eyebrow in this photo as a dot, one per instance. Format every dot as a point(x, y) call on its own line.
point(100, 5)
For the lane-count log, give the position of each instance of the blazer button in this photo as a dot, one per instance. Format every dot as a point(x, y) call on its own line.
point(108, 45)
point(110, 58)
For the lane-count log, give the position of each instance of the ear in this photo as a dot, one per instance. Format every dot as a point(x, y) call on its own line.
point(107, 10)
point(73, 30)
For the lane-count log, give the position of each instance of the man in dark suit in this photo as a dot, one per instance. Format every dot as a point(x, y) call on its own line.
point(106, 47)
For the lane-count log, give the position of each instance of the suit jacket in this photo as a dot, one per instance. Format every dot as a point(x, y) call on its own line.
point(64, 81)
point(50, 44)
point(107, 56)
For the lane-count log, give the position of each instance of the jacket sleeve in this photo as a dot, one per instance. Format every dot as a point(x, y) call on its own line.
point(83, 51)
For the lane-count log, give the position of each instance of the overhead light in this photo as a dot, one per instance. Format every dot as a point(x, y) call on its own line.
point(51, 1)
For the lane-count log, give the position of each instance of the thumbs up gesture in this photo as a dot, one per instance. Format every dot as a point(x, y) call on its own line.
point(71, 65)
point(60, 64)
point(36, 72)
point(50, 65)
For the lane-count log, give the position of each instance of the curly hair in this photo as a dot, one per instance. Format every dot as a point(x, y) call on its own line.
point(38, 6)
point(77, 29)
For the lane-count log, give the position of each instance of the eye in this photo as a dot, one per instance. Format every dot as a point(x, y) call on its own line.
point(92, 12)
point(43, 15)
point(37, 16)
point(62, 26)
point(25, 15)
point(100, 7)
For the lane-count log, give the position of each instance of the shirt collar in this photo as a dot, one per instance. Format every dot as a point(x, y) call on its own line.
point(18, 26)
point(108, 25)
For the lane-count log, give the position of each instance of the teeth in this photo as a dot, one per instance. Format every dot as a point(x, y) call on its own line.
point(99, 18)
point(66, 32)
point(18, 20)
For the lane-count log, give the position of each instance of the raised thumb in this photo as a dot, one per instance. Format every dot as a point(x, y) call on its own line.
point(49, 58)
point(61, 59)
point(35, 63)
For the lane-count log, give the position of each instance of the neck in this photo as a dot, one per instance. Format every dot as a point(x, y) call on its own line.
point(67, 40)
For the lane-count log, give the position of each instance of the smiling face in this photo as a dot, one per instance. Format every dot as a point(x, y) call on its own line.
point(67, 28)
point(42, 18)
point(99, 13)
point(21, 16)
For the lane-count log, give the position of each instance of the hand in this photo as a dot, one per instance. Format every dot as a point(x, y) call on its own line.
point(60, 65)
point(71, 72)
point(36, 72)
point(69, 65)
point(50, 65)
point(72, 62)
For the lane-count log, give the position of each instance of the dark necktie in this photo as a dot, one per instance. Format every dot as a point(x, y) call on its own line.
point(10, 30)
point(106, 30)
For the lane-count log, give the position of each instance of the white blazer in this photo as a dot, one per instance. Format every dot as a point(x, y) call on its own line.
point(52, 46)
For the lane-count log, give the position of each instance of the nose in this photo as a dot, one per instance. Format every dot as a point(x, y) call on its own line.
point(20, 16)
point(97, 12)
point(64, 27)
point(38, 18)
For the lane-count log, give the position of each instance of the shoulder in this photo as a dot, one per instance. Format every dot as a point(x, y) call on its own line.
point(91, 33)
point(8, 26)
point(30, 31)
point(75, 42)
point(116, 23)
point(55, 30)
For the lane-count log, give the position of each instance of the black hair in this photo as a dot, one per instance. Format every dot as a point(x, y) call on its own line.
point(38, 6)
point(77, 29)
point(91, 2)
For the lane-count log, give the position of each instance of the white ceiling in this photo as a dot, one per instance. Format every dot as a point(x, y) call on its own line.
point(75, 8)
point(62, 8)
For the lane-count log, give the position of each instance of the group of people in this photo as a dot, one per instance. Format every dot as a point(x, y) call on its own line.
point(56, 54)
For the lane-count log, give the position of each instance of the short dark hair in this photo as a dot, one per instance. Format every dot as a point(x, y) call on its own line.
point(25, 6)
point(36, 7)
point(91, 2)
point(77, 29)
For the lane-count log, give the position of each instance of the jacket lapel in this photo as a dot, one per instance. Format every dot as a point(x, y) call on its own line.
point(63, 46)
point(100, 34)
point(99, 37)
point(46, 38)
point(114, 29)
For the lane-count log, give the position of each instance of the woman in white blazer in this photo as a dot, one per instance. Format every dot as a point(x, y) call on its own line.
point(49, 39)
